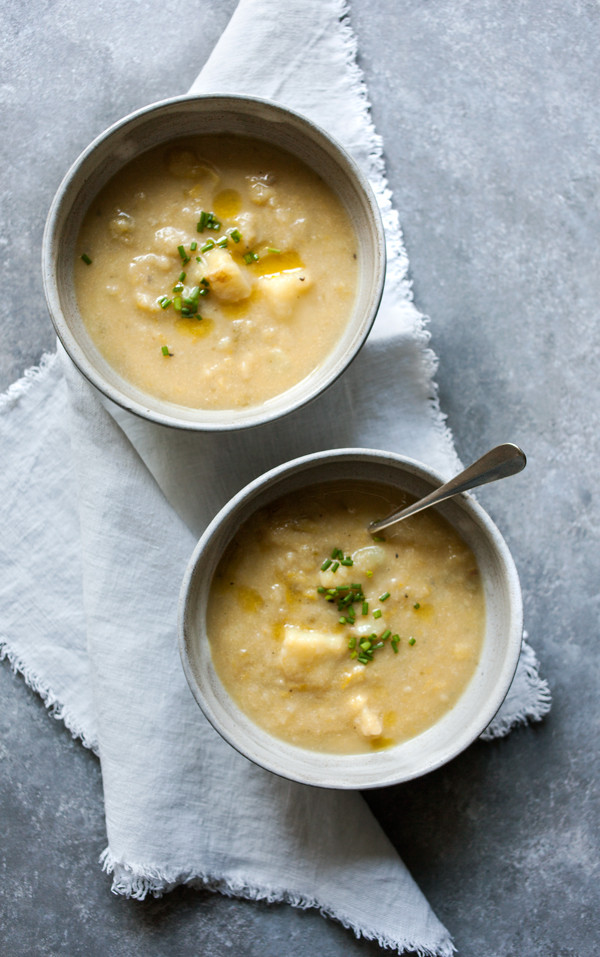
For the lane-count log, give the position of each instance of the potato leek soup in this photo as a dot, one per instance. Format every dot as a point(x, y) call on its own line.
point(339, 641)
point(216, 272)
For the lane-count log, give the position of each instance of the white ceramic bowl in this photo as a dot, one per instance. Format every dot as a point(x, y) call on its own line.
point(186, 116)
point(435, 746)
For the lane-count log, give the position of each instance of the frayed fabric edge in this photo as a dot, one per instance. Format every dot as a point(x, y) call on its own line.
point(540, 699)
point(56, 709)
point(398, 263)
point(32, 375)
point(137, 881)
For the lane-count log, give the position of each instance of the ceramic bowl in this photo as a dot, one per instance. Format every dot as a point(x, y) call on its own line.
point(162, 123)
point(449, 736)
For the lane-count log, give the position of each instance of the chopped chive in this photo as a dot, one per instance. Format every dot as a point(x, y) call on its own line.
point(204, 282)
point(369, 574)
point(183, 254)
point(177, 303)
point(352, 643)
point(325, 564)
point(203, 291)
point(385, 596)
point(209, 244)
point(273, 251)
point(394, 642)
point(165, 302)
point(194, 246)
point(165, 351)
point(342, 621)
point(235, 235)
point(365, 644)
point(250, 257)
point(386, 634)
point(377, 613)
point(321, 590)
point(354, 654)
point(335, 566)
point(416, 605)
point(378, 538)
point(412, 641)
point(365, 607)
point(86, 259)
point(198, 259)
point(347, 561)
point(378, 645)
point(186, 313)
point(181, 277)
point(222, 243)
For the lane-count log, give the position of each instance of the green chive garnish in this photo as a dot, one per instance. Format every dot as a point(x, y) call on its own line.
point(325, 564)
point(365, 607)
point(209, 244)
point(395, 641)
point(194, 246)
point(165, 302)
point(385, 596)
point(377, 613)
point(207, 221)
point(222, 243)
point(352, 643)
point(250, 258)
point(86, 259)
point(335, 566)
point(412, 641)
point(235, 235)
point(165, 351)
point(181, 277)
point(273, 252)
point(416, 605)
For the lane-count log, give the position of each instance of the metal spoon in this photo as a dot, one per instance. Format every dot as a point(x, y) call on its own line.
point(499, 462)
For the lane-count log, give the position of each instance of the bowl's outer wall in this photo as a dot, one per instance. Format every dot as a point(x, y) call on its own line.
point(437, 745)
point(190, 116)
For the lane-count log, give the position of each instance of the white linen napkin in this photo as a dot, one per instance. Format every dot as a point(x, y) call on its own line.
point(105, 510)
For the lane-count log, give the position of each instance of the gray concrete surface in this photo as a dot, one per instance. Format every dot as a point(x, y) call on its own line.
point(488, 111)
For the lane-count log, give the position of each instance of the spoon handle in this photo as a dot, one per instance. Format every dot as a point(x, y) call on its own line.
point(499, 462)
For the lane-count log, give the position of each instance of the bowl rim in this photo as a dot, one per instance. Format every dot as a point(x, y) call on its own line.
point(52, 235)
point(328, 766)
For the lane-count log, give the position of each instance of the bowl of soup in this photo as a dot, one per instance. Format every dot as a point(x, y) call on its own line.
point(213, 262)
point(340, 658)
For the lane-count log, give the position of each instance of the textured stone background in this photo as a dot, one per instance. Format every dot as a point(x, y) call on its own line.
point(488, 111)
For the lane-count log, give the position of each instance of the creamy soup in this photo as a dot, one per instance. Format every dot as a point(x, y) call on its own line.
point(336, 640)
point(216, 273)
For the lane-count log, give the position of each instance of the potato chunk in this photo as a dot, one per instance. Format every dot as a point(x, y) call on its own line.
point(309, 657)
point(282, 289)
point(168, 238)
point(227, 281)
point(367, 721)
